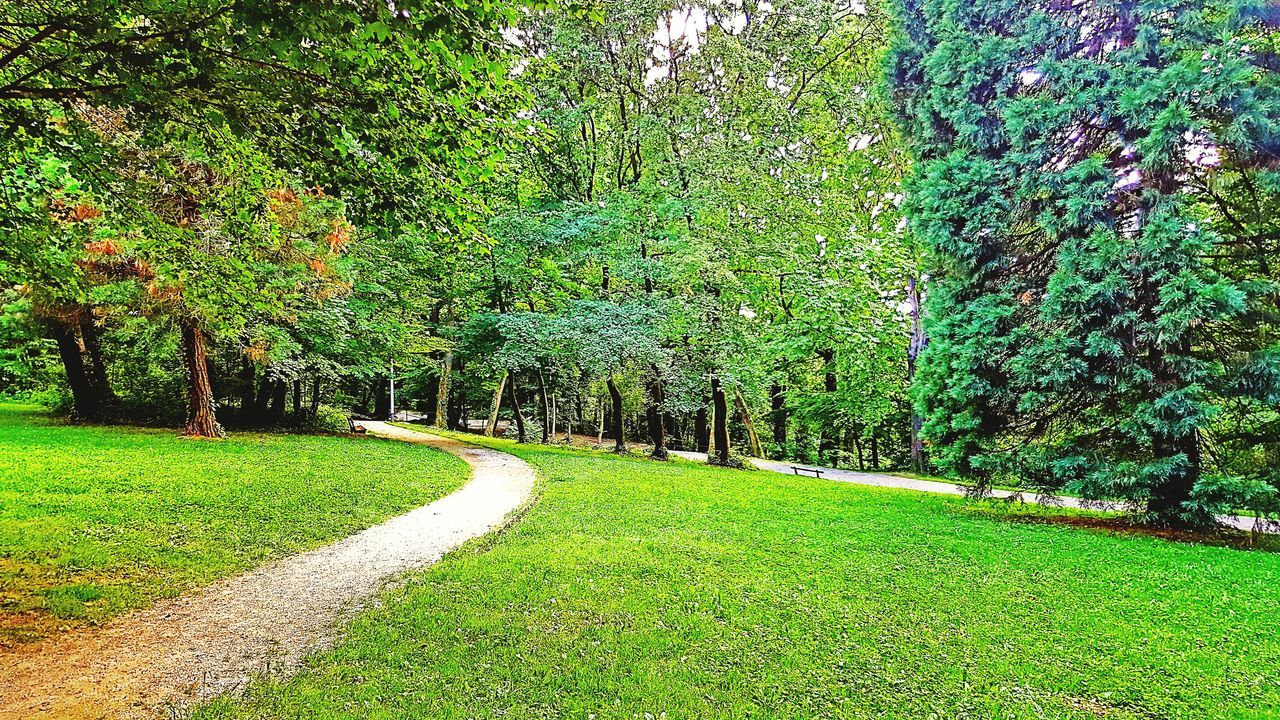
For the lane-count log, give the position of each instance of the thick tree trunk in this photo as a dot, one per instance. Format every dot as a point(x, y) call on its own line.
point(521, 436)
point(720, 421)
point(701, 432)
point(653, 412)
point(548, 418)
point(83, 400)
point(381, 398)
point(200, 418)
point(433, 392)
point(778, 415)
point(442, 392)
point(99, 385)
point(857, 445)
point(619, 442)
point(279, 391)
point(492, 425)
point(262, 403)
point(752, 438)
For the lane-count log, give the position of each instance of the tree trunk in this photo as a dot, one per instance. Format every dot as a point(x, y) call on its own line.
point(720, 421)
point(752, 439)
point(619, 441)
point(600, 422)
point(315, 396)
point(200, 418)
point(548, 419)
point(492, 426)
point(674, 438)
point(857, 445)
point(83, 401)
point(657, 432)
point(381, 398)
point(297, 399)
point(442, 392)
point(99, 385)
point(515, 410)
point(433, 392)
point(778, 415)
point(701, 433)
point(919, 461)
point(875, 453)
point(262, 402)
point(827, 438)
point(279, 390)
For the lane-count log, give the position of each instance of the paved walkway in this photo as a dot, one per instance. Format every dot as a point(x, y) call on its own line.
point(934, 486)
point(152, 662)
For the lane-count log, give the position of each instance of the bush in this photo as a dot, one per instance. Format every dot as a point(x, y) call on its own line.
point(736, 462)
point(532, 431)
point(328, 419)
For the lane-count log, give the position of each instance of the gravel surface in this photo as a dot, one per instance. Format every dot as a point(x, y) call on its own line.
point(152, 662)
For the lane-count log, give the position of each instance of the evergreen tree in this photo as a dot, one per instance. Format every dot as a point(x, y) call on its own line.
point(1068, 154)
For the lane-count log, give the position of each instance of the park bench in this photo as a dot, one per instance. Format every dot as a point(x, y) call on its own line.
point(355, 427)
point(798, 470)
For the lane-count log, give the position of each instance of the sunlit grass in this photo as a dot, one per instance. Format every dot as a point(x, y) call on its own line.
point(633, 589)
point(97, 520)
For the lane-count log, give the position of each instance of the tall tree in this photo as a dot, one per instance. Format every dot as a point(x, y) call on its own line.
point(1082, 271)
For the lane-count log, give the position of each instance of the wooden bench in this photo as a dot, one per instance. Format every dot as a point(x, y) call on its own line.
point(797, 470)
point(355, 427)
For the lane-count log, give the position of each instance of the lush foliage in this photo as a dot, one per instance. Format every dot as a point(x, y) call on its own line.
point(91, 524)
point(1093, 184)
point(269, 183)
point(708, 196)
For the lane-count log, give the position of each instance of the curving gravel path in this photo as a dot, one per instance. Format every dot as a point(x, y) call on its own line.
point(152, 662)
point(933, 486)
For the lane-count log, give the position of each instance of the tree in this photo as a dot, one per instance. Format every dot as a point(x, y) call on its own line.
point(1082, 271)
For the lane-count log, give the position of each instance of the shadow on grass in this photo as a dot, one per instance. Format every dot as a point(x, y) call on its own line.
point(1125, 526)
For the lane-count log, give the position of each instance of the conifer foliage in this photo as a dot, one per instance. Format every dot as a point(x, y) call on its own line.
point(1092, 186)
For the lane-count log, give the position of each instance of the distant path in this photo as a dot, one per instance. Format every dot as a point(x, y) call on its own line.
point(933, 486)
point(150, 662)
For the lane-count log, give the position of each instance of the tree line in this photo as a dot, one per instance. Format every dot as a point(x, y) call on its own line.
point(1014, 243)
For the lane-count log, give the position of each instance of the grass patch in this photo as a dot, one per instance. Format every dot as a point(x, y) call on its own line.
point(635, 589)
point(97, 520)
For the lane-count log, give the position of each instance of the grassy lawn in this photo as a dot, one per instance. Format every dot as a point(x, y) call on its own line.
point(639, 590)
point(94, 520)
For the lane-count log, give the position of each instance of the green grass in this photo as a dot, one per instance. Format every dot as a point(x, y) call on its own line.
point(638, 590)
point(95, 520)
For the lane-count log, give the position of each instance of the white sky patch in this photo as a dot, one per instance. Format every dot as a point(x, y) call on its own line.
point(1128, 179)
point(684, 30)
point(1201, 150)
point(859, 143)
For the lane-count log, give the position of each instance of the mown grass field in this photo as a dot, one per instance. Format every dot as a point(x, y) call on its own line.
point(640, 590)
point(97, 520)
